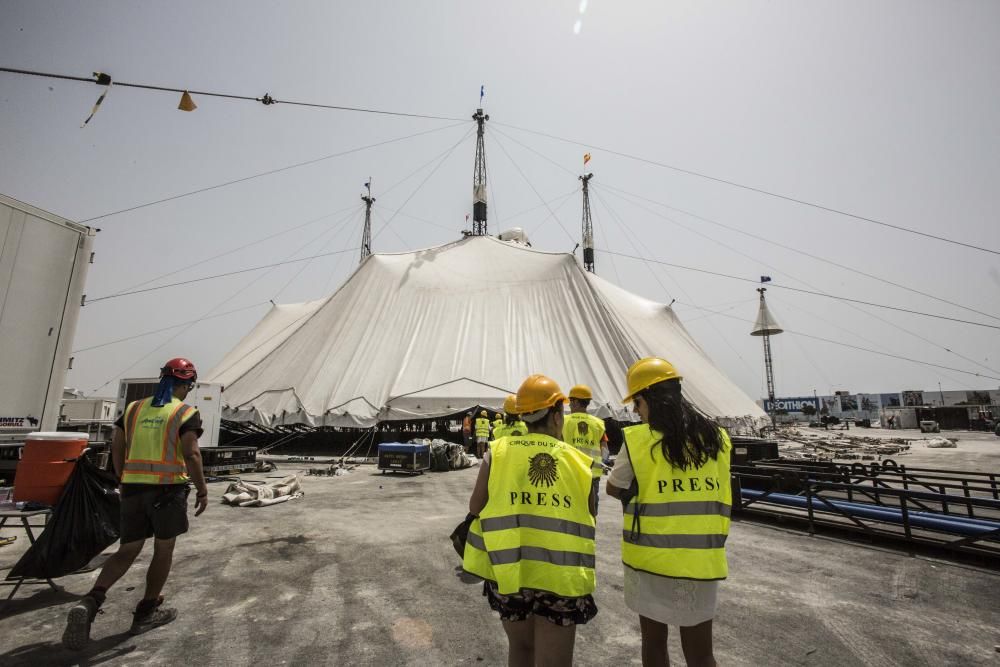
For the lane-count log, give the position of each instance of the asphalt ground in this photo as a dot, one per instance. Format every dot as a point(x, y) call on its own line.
point(360, 571)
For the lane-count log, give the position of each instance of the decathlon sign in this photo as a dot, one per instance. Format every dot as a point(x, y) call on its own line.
point(791, 404)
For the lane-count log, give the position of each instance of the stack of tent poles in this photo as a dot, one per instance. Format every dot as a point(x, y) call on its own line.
point(958, 510)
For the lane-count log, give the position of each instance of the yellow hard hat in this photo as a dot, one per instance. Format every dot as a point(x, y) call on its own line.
point(647, 372)
point(482, 413)
point(536, 393)
point(581, 391)
point(509, 404)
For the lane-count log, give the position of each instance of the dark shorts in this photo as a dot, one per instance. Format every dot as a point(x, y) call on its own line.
point(160, 512)
point(555, 609)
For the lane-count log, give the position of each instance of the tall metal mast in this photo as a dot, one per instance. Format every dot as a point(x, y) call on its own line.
point(765, 327)
point(366, 235)
point(588, 227)
point(479, 179)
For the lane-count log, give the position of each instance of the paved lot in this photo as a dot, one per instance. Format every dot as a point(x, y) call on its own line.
point(360, 572)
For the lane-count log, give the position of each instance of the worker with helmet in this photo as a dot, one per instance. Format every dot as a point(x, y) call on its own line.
point(496, 425)
point(511, 424)
point(532, 541)
point(482, 432)
point(586, 432)
point(672, 476)
point(155, 453)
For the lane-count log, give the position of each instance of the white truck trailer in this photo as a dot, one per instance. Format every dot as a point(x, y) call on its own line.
point(43, 265)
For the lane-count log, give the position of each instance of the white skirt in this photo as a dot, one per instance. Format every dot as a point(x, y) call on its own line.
point(680, 602)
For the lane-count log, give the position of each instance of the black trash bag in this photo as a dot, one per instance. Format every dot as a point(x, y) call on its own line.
point(83, 524)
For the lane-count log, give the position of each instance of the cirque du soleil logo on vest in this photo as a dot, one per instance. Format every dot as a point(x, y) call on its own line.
point(542, 469)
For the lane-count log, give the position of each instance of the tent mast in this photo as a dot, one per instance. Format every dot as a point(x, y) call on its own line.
point(588, 227)
point(765, 327)
point(366, 235)
point(479, 179)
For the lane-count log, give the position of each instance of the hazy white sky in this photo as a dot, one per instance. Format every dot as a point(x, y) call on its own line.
point(888, 110)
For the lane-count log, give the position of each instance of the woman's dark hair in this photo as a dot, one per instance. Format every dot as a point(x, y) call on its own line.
point(690, 438)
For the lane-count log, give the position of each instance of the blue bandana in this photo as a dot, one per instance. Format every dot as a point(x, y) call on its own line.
point(164, 392)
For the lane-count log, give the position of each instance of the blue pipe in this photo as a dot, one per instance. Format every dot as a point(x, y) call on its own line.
point(929, 520)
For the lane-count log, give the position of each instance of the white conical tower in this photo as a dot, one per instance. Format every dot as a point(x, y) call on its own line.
point(766, 326)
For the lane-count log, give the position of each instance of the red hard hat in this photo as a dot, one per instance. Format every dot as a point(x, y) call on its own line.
point(180, 368)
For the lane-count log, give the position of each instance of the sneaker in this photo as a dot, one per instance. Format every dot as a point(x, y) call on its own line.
point(78, 621)
point(152, 619)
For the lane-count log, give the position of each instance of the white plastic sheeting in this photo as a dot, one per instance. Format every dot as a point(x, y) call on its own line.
point(437, 331)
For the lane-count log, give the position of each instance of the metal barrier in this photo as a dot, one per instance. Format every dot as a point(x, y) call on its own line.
point(957, 510)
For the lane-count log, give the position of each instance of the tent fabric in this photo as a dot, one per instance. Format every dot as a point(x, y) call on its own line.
point(445, 329)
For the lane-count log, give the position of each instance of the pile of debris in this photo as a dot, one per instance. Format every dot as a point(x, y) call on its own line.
point(942, 443)
point(446, 455)
point(338, 469)
point(797, 444)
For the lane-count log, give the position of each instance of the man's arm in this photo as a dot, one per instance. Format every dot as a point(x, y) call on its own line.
point(118, 452)
point(192, 459)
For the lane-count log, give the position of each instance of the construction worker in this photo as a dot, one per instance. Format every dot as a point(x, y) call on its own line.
point(586, 432)
point(155, 453)
point(482, 432)
point(511, 424)
point(467, 430)
point(532, 541)
point(496, 424)
point(672, 477)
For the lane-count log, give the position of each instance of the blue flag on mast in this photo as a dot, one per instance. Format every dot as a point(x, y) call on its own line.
point(482, 91)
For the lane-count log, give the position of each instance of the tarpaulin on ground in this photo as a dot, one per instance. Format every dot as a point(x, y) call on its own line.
point(246, 494)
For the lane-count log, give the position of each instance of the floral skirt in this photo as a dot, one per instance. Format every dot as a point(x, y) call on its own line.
point(551, 607)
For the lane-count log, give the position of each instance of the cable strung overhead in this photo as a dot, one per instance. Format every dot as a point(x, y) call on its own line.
point(804, 291)
point(104, 79)
point(842, 344)
point(186, 104)
point(268, 173)
point(221, 275)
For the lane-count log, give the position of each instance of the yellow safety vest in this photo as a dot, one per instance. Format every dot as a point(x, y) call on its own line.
point(482, 427)
point(505, 430)
point(584, 431)
point(153, 443)
point(536, 531)
point(677, 523)
point(497, 423)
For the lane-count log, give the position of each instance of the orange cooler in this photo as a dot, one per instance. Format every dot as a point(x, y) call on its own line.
point(43, 469)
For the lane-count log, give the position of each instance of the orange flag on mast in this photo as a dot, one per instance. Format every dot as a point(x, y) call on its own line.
point(586, 158)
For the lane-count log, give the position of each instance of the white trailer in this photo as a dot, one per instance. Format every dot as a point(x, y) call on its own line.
point(43, 266)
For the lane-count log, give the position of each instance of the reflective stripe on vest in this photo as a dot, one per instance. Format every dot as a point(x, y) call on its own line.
point(677, 523)
point(152, 438)
point(475, 560)
point(540, 522)
point(584, 431)
point(536, 529)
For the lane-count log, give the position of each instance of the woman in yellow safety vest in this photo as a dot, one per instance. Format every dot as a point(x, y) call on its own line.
point(672, 476)
point(532, 541)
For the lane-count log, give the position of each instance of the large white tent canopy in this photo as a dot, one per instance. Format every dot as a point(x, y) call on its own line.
point(437, 331)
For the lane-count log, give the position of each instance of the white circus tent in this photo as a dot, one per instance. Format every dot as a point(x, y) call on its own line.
point(436, 331)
